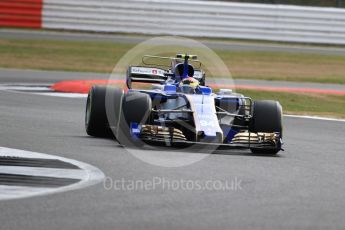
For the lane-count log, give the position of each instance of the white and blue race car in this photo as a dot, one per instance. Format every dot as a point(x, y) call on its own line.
point(179, 109)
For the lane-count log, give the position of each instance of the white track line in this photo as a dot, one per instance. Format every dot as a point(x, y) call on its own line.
point(67, 95)
point(314, 118)
point(25, 88)
point(88, 175)
point(46, 172)
point(17, 192)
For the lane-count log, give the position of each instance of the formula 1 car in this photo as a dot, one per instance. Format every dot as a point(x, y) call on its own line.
point(180, 109)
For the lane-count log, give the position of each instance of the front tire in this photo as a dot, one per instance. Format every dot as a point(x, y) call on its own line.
point(267, 118)
point(136, 108)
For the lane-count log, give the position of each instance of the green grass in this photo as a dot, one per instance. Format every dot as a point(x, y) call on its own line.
point(303, 104)
point(103, 56)
point(286, 66)
point(61, 55)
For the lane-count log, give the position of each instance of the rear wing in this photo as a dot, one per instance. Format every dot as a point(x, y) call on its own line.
point(145, 75)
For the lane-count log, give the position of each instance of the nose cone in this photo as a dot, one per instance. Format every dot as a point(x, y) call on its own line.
point(205, 118)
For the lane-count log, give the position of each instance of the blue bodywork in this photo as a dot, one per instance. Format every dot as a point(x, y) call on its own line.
point(200, 100)
point(187, 111)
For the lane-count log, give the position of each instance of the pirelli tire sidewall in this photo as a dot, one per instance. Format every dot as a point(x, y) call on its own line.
point(266, 117)
point(114, 97)
point(96, 122)
point(136, 108)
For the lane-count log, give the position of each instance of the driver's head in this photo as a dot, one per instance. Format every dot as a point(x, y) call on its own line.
point(192, 82)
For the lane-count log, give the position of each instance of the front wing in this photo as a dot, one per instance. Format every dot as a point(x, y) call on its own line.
point(163, 136)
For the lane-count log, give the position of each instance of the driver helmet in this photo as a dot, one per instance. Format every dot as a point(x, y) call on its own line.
point(190, 81)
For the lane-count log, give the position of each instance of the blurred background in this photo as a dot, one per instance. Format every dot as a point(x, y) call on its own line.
point(291, 50)
point(326, 3)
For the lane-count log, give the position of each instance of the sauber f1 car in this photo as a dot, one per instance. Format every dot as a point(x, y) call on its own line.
point(179, 109)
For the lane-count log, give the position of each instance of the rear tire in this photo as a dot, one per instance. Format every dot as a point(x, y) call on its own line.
point(266, 118)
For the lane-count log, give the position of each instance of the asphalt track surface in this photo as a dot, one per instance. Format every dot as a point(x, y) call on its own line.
point(302, 188)
point(118, 38)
